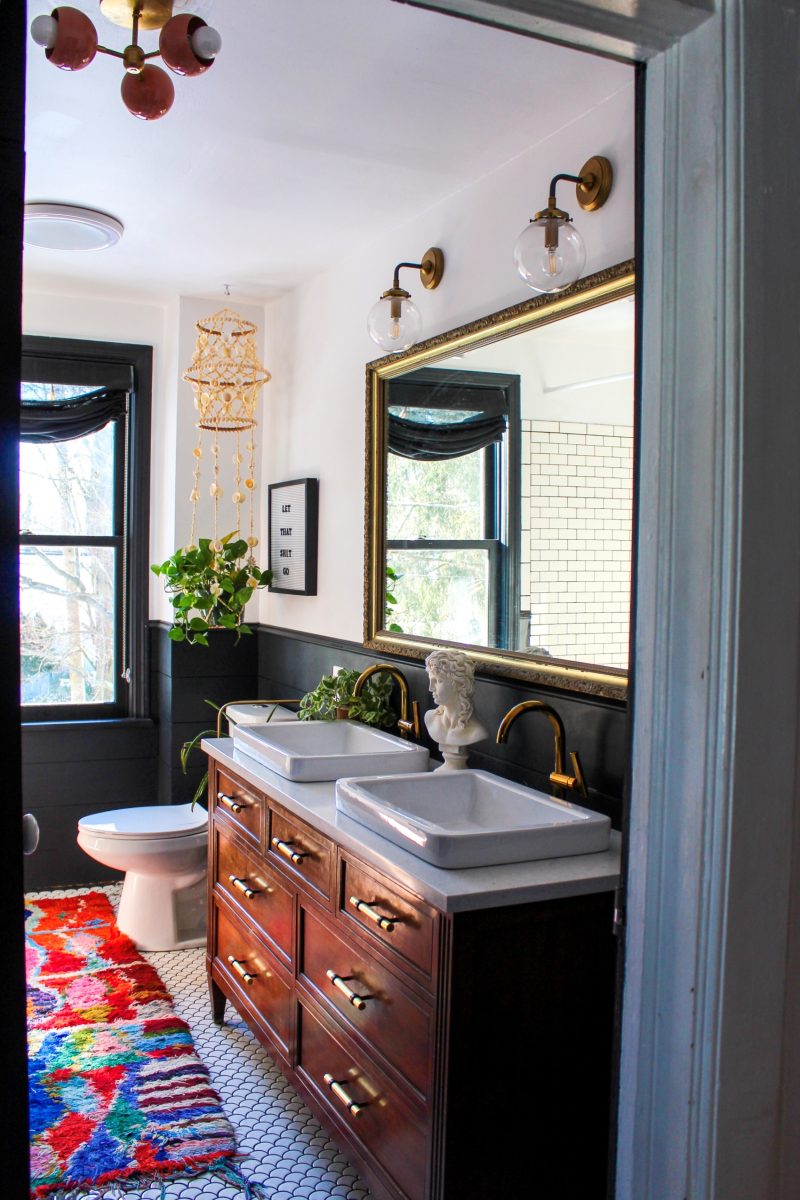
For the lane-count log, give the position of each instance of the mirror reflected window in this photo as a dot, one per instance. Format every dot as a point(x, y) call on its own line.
point(501, 488)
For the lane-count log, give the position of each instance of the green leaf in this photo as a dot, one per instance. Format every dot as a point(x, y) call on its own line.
point(176, 634)
point(200, 639)
point(198, 624)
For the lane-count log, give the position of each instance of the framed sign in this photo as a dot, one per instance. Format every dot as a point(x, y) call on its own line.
point(292, 520)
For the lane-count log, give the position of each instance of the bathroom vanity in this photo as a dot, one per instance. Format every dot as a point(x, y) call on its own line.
point(452, 1029)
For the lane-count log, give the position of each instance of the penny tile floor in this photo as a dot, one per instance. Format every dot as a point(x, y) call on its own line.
point(285, 1149)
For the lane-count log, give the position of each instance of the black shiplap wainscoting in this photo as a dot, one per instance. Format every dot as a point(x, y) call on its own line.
point(291, 663)
point(71, 769)
point(182, 679)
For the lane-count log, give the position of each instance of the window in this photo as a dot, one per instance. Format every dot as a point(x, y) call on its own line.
point(84, 451)
point(452, 519)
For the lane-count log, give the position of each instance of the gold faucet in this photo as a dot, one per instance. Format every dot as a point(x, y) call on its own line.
point(558, 777)
point(407, 727)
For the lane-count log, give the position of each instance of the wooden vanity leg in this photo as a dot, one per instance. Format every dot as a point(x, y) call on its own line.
point(217, 1002)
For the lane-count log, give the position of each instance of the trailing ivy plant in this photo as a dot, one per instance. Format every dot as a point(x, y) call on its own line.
point(188, 748)
point(333, 697)
point(392, 578)
point(209, 585)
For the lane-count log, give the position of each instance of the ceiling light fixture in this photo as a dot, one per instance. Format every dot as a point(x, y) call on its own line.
point(186, 45)
point(557, 262)
point(70, 227)
point(394, 322)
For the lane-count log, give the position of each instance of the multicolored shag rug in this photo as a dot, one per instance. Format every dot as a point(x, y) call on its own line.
point(118, 1094)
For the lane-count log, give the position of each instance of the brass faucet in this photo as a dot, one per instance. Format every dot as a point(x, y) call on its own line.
point(407, 727)
point(558, 777)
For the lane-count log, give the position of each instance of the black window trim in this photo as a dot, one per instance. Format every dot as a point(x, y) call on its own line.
point(435, 387)
point(129, 366)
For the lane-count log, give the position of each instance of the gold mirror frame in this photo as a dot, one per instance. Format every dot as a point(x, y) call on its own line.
point(614, 283)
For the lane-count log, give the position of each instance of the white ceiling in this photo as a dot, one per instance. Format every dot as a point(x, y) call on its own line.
point(322, 123)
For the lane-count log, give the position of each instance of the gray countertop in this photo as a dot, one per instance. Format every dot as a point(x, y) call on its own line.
point(449, 891)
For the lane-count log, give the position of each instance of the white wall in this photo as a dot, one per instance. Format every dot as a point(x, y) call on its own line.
point(317, 345)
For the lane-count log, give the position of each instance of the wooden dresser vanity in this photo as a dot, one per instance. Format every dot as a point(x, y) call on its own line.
point(453, 1030)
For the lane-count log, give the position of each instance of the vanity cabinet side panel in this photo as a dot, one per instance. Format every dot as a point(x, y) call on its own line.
point(526, 1082)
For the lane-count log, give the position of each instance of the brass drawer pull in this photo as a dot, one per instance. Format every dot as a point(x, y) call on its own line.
point(338, 1091)
point(241, 886)
point(241, 970)
point(229, 802)
point(387, 924)
point(340, 982)
point(288, 851)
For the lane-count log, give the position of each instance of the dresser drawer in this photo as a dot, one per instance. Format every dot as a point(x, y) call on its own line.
point(237, 804)
point(305, 855)
point(369, 997)
point(255, 976)
point(388, 913)
point(361, 1100)
point(257, 892)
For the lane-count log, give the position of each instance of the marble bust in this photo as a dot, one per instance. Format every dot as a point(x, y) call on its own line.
point(452, 724)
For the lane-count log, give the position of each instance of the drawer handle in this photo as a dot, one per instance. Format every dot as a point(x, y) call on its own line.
point(241, 886)
point(288, 851)
point(338, 1091)
point(241, 970)
point(229, 802)
point(340, 982)
point(387, 924)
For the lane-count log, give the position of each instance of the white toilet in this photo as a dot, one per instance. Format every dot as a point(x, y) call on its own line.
point(163, 851)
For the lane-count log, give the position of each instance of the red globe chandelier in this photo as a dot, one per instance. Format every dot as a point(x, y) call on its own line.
point(186, 44)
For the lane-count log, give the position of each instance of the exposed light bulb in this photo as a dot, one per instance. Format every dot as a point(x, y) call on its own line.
point(394, 323)
point(206, 42)
point(44, 31)
point(549, 254)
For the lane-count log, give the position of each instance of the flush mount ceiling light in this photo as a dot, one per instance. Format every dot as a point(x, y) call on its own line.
point(186, 45)
point(553, 262)
point(70, 227)
point(394, 322)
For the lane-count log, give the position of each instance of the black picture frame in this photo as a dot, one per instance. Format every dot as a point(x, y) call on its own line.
point(293, 532)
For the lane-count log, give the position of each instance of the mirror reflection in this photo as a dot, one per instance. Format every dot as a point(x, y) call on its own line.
point(502, 500)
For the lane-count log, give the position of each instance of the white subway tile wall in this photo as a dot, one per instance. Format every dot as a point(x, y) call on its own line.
point(577, 489)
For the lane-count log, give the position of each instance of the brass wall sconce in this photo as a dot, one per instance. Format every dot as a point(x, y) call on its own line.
point(394, 322)
point(186, 45)
point(553, 263)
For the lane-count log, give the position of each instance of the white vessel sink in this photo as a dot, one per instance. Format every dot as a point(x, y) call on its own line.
point(307, 751)
point(471, 818)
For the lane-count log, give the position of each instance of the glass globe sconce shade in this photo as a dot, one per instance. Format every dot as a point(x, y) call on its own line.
point(68, 37)
point(551, 260)
point(148, 93)
point(187, 46)
point(394, 323)
point(549, 253)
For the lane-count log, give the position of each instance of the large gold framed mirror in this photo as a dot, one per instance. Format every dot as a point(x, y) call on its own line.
point(499, 486)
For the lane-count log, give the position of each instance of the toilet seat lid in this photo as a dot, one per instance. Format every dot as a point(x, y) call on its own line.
point(150, 821)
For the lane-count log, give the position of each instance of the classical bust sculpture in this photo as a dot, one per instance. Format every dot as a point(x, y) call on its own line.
point(452, 725)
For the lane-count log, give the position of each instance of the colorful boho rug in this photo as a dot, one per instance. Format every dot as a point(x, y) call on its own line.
point(118, 1094)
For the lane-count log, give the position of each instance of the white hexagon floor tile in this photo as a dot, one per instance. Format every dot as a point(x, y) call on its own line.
point(283, 1146)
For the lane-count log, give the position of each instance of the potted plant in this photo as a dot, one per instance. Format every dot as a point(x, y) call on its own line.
point(333, 698)
point(209, 586)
